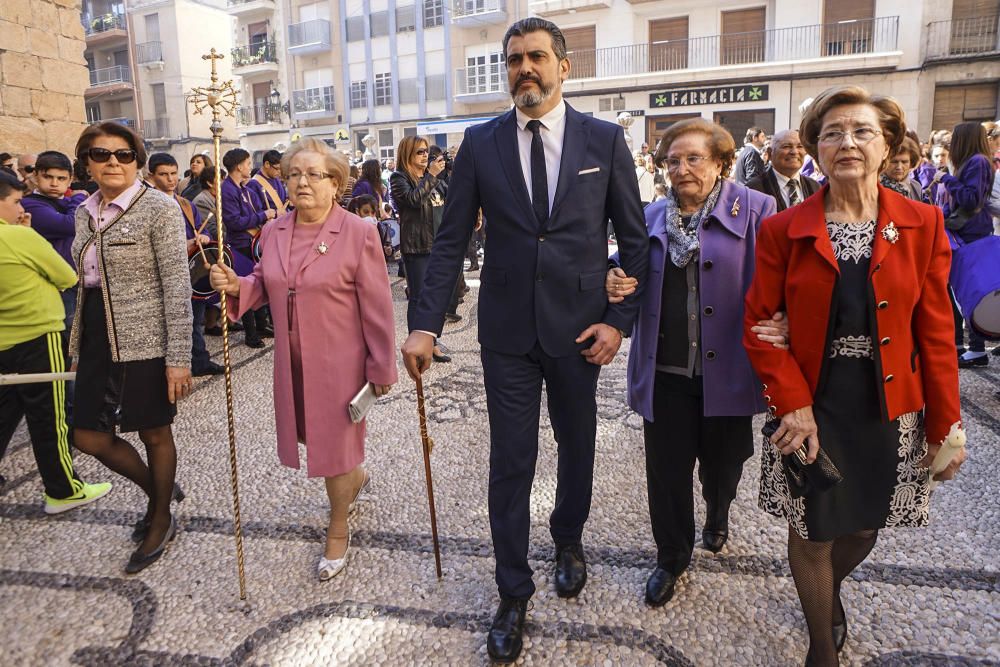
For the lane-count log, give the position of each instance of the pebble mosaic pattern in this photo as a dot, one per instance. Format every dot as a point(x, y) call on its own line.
point(925, 597)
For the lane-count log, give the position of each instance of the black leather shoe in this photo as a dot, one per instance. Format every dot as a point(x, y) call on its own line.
point(452, 318)
point(441, 358)
point(504, 642)
point(982, 360)
point(660, 587)
point(571, 570)
point(995, 351)
point(257, 343)
point(265, 332)
point(716, 530)
point(211, 369)
point(840, 629)
point(140, 561)
point(142, 525)
point(714, 540)
point(213, 331)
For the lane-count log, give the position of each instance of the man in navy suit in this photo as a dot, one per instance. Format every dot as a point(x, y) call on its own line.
point(548, 179)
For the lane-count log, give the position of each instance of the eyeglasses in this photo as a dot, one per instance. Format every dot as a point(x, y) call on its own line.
point(311, 176)
point(124, 155)
point(860, 135)
point(692, 161)
point(29, 168)
point(422, 151)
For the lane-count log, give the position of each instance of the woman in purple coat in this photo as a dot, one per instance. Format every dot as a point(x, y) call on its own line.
point(688, 374)
point(370, 183)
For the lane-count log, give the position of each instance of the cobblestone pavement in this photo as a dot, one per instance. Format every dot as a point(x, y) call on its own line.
point(925, 597)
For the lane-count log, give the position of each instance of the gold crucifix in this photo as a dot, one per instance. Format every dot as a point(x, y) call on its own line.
point(221, 98)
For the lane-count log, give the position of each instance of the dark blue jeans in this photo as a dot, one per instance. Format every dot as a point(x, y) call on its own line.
point(199, 353)
point(416, 267)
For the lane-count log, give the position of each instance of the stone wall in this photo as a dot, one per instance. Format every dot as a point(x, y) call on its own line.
point(42, 75)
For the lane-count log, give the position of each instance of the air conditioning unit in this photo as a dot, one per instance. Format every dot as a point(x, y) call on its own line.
point(610, 104)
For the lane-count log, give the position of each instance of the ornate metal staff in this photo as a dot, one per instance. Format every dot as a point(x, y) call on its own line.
point(428, 445)
point(221, 99)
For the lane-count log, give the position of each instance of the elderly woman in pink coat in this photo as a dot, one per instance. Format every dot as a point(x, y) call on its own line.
point(323, 273)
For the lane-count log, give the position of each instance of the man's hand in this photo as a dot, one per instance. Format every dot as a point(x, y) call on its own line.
point(417, 352)
point(774, 330)
point(179, 383)
point(25, 219)
point(618, 285)
point(607, 340)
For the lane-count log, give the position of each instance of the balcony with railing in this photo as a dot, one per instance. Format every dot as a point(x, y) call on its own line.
point(470, 13)
point(554, 7)
point(157, 128)
point(104, 27)
point(482, 83)
point(261, 114)
point(109, 80)
point(127, 122)
point(975, 37)
point(861, 38)
point(313, 103)
point(255, 58)
point(250, 8)
point(149, 53)
point(309, 37)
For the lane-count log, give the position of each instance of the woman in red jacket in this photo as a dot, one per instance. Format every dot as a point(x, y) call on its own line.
point(871, 371)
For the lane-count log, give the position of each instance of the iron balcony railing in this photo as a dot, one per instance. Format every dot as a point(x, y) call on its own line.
point(127, 122)
point(254, 54)
point(481, 79)
point(313, 101)
point(315, 32)
point(259, 114)
point(867, 36)
point(149, 52)
point(156, 128)
point(106, 75)
point(93, 25)
point(976, 36)
point(474, 7)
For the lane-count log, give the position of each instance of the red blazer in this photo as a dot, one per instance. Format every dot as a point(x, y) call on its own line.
point(914, 336)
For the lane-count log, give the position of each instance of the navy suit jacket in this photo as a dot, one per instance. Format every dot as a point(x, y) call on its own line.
point(543, 283)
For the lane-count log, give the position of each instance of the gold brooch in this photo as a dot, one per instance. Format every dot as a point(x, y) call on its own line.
point(890, 233)
point(735, 210)
point(321, 248)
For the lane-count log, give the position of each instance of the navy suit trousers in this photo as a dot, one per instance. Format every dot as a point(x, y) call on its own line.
point(513, 400)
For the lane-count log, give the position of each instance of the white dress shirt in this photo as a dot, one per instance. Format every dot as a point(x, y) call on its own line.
point(553, 130)
point(783, 185)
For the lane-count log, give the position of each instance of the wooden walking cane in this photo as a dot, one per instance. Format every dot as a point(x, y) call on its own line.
point(221, 98)
point(428, 445)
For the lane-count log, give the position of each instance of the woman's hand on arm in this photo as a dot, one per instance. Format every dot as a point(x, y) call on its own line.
point(797, 427)
point(179, 383)
point(381, 389)
point(951, 470)
point(774, 330)
point(619, 285)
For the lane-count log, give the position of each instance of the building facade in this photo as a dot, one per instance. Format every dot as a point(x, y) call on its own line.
point(144, 57)
point(344, 69)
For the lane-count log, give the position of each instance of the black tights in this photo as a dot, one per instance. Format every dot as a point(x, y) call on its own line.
point(818, 569)
point(156, 479)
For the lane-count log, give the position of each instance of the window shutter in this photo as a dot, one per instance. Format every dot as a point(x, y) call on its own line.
point(971, 9)
point(847, 26)
point(580, 45)
point(956, 104)
point(742, 36)
point(668, 44)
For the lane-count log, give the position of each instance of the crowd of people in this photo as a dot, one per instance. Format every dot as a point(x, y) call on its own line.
point(804, 275)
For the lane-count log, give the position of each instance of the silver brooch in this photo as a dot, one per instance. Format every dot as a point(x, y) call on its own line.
point(890, 233)
point(321, 248)
point(735, 210)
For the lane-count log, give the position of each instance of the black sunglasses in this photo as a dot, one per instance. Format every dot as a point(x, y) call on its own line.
point(29, 168)
point(124, 155)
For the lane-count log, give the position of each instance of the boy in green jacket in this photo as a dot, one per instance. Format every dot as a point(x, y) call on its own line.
point(31, 341)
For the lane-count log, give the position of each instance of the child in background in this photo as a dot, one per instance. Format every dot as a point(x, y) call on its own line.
point(366, 208)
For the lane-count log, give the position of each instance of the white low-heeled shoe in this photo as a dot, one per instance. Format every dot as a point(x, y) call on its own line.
point(328, 569)
point(364, 488)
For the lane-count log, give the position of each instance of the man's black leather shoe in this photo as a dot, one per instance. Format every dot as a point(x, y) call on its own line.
point(211, 369)
point(714, 540)
point(571, 570)
point(716, 530)
point(504, 643)
point(660, 587)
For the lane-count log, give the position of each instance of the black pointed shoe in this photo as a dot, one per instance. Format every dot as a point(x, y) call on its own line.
point(571, 570)
point(716, 530)
point(660, 587)
point(840, 629)
point(140, 561)
point(714, 540)
point(504, 641)
point(142, 525)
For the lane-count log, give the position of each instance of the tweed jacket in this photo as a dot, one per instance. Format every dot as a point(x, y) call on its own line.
point(145, 281)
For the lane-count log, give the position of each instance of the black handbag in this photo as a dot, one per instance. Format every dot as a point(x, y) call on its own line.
point(803, 478)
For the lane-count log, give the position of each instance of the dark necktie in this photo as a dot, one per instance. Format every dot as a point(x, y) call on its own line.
point(539, 179)
point(793, 191)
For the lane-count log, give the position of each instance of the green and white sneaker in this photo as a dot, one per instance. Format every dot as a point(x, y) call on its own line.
point(88, 494)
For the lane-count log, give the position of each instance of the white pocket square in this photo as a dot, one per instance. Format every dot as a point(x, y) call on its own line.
point(588, 171)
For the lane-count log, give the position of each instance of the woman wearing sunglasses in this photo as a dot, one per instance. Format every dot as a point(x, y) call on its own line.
point(132, 328)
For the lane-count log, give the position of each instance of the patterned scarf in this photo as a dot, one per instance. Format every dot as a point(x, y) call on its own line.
point(894, 185)
point(683, 240)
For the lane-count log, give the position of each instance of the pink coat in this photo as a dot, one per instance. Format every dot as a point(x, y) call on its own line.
point(346, 335)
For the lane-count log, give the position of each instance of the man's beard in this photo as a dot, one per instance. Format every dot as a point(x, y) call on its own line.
point(531, 97)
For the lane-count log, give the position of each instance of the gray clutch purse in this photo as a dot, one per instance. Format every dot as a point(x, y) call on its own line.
point(362, 403)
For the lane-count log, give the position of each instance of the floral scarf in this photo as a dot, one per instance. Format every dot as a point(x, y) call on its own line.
point(682, 241)
point(894, 185)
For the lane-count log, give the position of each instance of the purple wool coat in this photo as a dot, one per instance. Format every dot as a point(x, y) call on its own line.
point(726, 266)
